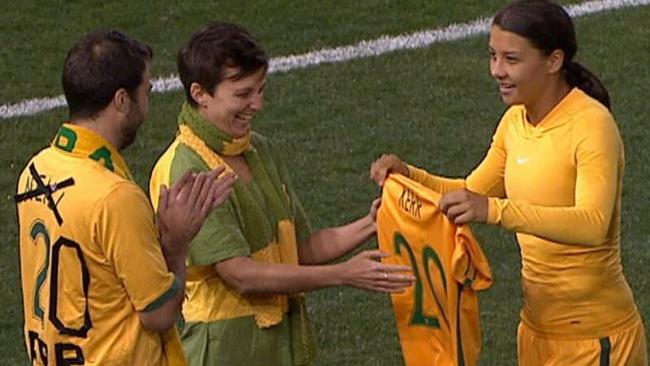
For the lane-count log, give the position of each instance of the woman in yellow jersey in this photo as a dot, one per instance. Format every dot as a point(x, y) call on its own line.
point(553, 174)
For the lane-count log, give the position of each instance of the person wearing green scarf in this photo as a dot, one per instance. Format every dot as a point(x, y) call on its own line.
point(256, 254)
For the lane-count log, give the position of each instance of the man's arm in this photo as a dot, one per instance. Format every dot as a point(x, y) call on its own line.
point(181, 212)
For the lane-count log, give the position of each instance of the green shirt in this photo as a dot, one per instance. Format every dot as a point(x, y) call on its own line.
point(239, 227)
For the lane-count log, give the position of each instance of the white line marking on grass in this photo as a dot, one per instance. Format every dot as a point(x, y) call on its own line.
point(375, 47)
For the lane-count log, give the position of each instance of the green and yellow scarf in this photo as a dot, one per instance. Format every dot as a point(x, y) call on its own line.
point(267, 310)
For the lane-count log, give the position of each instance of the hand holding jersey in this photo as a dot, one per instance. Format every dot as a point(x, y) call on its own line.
point(461, 205)
point(386, 164)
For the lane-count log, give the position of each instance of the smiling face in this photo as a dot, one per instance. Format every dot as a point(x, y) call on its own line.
point(234, 103)
point(520, 70)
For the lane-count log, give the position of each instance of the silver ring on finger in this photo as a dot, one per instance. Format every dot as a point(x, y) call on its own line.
point(385, 275)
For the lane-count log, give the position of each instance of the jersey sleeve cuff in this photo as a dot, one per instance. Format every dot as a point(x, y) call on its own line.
point(495, 210)
point(166, 296)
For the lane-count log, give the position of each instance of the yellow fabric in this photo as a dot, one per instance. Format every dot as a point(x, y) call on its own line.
point(159, 176)
point(222, 142)
point(171, 339)
point(106, 237)
point(218, 302)
point(286, 228)
point(173, 348)
point(215, 301)
point(558, 185)
point(437, 319)
point(626, 347)
point(88, 144)
point(434, 183)
point(237, 146)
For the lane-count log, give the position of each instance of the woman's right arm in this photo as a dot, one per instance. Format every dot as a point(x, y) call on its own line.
point(364, 271)
point(486, 179)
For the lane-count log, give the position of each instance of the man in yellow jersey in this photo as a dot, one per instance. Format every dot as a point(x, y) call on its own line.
point(99, 285)
point(437, 319)
point(554, 175)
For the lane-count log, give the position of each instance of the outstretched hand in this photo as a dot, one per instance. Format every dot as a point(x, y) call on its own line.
point(463, 206)
point(364, 271)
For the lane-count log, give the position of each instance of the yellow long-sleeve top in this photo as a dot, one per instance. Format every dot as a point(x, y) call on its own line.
point(558, 185)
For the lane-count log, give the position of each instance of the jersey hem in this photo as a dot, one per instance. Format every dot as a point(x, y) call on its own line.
point(557, 334)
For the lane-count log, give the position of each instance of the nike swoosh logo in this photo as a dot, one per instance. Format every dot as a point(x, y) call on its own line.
point(522, 160)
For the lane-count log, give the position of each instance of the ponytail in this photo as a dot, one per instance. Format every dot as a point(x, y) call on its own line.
point(578, 76)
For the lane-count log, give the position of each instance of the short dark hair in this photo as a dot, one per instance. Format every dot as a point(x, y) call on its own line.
point(100, 64)
point(217, 46)
point(549, 27)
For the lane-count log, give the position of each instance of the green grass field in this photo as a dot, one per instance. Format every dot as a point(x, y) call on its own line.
point(436, 107)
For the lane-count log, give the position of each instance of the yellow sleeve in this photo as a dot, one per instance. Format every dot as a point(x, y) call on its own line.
point(125, 230)
point(486, 179)
point(597, 172)
point(434, 182)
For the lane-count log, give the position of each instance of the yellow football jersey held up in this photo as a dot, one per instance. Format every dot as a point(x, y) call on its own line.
point(437, 319)
point(89, 258)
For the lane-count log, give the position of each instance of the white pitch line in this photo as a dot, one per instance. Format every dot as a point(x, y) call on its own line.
point(363, 49)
